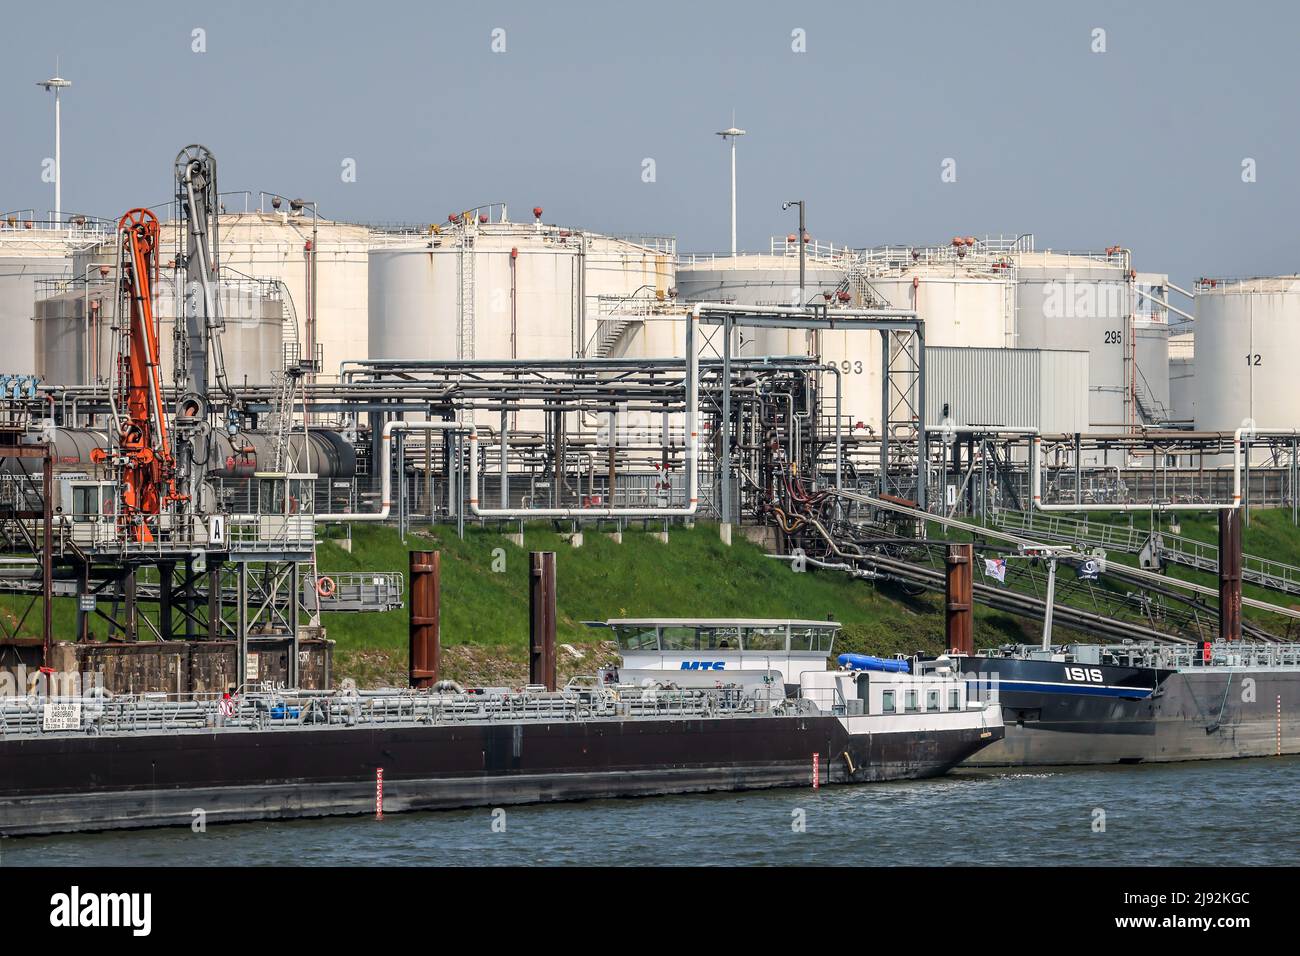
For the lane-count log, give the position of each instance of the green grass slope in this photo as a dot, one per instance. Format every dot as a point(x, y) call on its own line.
point(485, 595)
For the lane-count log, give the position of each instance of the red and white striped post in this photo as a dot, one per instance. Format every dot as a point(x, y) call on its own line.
point(1279, 725)
point(817, 780)
point(379, 793)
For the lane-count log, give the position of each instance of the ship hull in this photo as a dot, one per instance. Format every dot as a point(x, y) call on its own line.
point(1144, 715)
point(68, 783)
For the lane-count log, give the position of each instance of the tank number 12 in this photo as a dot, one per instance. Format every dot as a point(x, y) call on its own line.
point(1254, 359)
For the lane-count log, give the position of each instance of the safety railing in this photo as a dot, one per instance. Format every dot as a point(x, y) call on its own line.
point(275, 708)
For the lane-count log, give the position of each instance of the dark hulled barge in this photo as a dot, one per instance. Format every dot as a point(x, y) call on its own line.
point(1136, 702)
point(101, 762)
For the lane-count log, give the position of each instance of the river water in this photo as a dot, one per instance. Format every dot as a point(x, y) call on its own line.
point(1224, 812)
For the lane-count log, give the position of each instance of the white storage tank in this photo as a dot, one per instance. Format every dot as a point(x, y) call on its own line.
point(502, 290)
point(276, 245)
point(1182, 377)
point(1247, 338)
point(31, 250)
point(772, 279)
point(74, 339)
point(1082, 301)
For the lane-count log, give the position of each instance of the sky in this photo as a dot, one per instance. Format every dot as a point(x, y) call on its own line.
point(605, 113)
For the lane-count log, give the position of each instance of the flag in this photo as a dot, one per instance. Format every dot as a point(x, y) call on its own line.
point(1088, 570)
point(996, 568)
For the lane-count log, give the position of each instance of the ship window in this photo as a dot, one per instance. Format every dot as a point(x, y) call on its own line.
point(932, 700)
point(720, 638)
point(681, 639)
point(636, 637)
point(909, 700)
point(824, 638)
point(954, 699)
point(765, 638)
point(803, 638)
point(887, 702)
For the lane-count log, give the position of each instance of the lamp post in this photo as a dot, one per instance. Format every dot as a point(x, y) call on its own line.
point(732, 135)
point(57, 84)
point(787, 205)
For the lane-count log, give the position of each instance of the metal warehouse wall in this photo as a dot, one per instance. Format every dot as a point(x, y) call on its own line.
point(1007, 388)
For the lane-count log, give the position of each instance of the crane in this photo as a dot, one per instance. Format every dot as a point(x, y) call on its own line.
point(141, 452)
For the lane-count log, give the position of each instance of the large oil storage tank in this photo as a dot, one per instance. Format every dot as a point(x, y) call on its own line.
point(965, 296)
point(74, 339)
point(1182, 377)
point(1085, 301)
point(277, 245)
point(31, 251)
point(503, 290)
point(1247, 337)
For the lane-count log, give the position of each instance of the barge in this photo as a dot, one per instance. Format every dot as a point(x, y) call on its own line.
point(728, 705)
point(1138, 702)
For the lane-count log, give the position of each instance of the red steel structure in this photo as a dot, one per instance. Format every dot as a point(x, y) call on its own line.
point(143, 451)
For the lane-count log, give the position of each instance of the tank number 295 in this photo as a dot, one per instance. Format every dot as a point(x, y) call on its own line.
point(1114, 338)
point(1090, 674)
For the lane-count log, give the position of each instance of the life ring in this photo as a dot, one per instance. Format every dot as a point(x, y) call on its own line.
point(325, 586)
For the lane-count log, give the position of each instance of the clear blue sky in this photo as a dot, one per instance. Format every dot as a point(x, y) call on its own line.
point(1141, 145)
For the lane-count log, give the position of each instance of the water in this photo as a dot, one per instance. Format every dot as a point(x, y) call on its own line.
point(1224, 812)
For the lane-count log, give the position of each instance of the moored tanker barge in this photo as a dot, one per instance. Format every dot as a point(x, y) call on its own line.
point(1139, 702)
point(776, 717)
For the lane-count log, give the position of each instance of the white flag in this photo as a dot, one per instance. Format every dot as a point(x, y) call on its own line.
point(996, 568)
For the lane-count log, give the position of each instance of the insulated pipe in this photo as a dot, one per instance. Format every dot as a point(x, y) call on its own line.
point(692, 456)
point(386, 470)
point(1035, 470)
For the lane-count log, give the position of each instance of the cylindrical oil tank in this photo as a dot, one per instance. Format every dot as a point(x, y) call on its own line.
point(765, 279)
point(329, 454)
point(1082, 302)
point(961, 305)
point(1151, 371)
point(31, 251)
point(278, 246)
point(74, 339)
point(1247, 337)
point(1182, 376)
point(506, 291)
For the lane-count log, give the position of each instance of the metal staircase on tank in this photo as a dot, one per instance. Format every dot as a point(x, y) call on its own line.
point(617, 315)
point(1153, 410)
point(859, 287)
point(1188, 552)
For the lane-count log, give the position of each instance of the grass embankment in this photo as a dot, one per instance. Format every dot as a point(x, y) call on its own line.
point(485, 611)
point(1270, 535)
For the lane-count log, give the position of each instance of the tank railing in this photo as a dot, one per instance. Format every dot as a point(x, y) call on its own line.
point(814, 249)
point(70, 225)
point(1219, 283)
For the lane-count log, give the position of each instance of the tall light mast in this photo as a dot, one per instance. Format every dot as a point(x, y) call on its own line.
point(732, 135)
point(57, 84)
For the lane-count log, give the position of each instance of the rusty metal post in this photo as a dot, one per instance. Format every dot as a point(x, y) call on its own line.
point(1230, 574)
point(958, 593)
point(425, 639)
point(541, 618)
point(47, 557)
